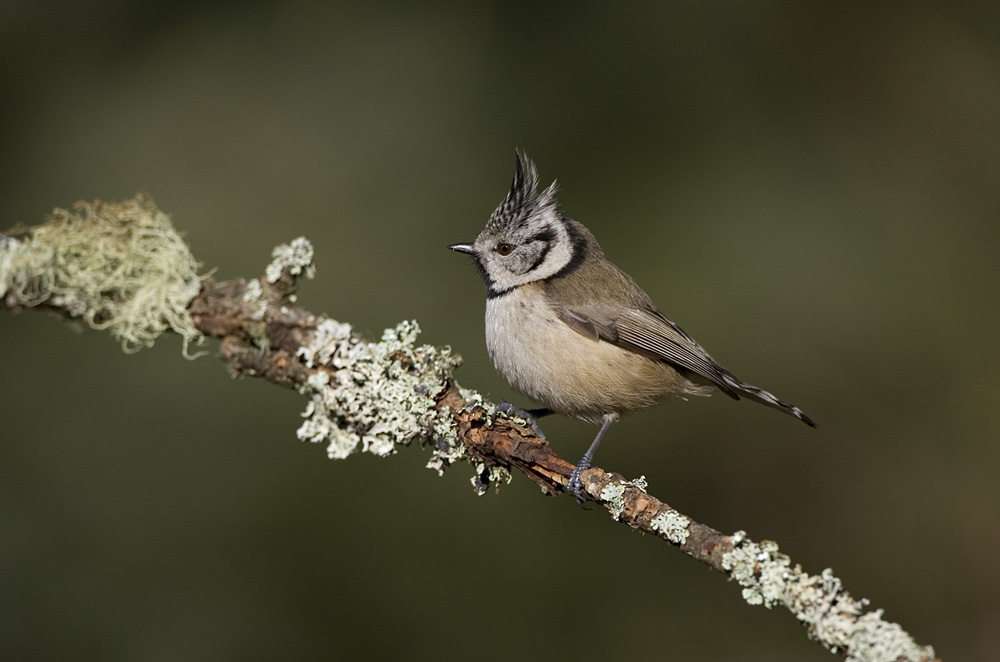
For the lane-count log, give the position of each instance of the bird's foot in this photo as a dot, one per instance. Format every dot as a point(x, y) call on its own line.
point(574, 486)
point(530, 416)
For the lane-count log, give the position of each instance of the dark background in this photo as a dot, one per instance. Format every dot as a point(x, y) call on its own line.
point(810, 189)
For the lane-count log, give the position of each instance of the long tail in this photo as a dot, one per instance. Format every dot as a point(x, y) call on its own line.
point(765, 398)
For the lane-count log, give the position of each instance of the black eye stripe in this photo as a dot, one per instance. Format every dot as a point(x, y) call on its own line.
point(547, 235)
point(546, 247)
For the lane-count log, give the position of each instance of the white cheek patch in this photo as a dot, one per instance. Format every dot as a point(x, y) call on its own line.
point(558, 253)
point(553, 244)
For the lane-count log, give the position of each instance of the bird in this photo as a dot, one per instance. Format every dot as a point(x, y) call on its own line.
point(570, 330)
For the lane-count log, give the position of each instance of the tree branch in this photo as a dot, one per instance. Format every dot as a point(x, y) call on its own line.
point(371, 396)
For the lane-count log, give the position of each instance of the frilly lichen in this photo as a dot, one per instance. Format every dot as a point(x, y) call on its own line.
point(296, 257)
point(835, 619)
point(758, 568)
point(672, 525)
point(613, 494)
point(494, 475)
point(448, 449)
point(373, 396)
point(119, 266)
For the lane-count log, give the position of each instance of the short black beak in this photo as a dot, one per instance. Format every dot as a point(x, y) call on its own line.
point(463, 248)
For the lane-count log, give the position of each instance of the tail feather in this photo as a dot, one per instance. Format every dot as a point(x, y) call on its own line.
point(760, 395)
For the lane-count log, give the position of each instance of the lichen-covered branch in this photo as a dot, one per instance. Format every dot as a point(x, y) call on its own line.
point(371, 396)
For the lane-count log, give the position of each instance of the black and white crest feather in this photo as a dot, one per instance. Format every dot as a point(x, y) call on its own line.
point(523, 201)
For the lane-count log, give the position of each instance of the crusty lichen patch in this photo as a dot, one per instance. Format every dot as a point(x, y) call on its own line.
point(494, 475)
point(372, 396)
point(119, 266)
point(295, 257)
point(672, 525)
point(448, 448)
point(833, 617)
point(613, 495)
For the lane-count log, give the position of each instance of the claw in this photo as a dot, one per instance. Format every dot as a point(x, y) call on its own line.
point(574, 486)
point(530, 416)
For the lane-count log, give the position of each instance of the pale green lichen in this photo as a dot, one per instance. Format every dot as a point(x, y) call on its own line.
point(10, 249)
point(639, 483)
point(254, 293)
point(117, 266)
point(480, 483)
point(835, 619)
point(496, 475)
point(331, 346)
point(472, 398)
point(448, 448)
point(672, 525)
point(758, 568)
point(613, 496)
point(378, 394)
point(296, 257)
point(474, 401)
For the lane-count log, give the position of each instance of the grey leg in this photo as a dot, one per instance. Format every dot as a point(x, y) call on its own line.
point(573, 486)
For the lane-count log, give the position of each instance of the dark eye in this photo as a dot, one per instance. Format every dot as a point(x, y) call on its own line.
point(504, 248)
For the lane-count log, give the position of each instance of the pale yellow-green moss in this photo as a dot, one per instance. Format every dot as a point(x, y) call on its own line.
point(119, 266)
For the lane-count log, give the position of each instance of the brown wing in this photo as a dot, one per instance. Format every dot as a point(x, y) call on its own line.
point(648, 332)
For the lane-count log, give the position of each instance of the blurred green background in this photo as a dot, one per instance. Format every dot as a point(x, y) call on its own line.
point(810, 189)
